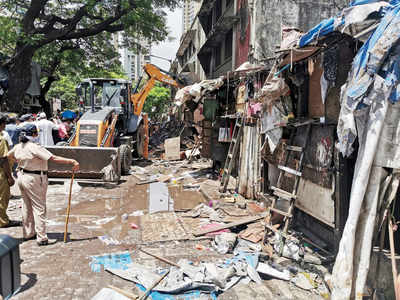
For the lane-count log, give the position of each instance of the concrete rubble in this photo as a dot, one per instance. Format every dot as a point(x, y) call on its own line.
point(223, 264)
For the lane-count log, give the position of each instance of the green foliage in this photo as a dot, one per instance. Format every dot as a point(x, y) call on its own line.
point(65, 90)
point(157, 101)
point(72, 39)
point(38, 23)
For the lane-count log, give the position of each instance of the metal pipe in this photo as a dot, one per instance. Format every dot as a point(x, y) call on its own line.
point(91, 96)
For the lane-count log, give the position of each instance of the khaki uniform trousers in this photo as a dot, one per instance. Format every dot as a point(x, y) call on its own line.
point(33, 190)
point(4, 198)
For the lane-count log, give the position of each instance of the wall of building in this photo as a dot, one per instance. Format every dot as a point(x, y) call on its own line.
point(188, 62)
point(269, 16)
point(243, 33)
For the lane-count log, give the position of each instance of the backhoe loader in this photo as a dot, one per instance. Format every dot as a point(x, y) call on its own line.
point(110, 127)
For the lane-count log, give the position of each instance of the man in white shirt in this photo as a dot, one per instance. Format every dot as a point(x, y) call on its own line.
point(45, 128)
point(8, 139)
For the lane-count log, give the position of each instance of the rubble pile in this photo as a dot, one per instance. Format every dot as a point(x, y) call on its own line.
point(224, 235)
point(163, 131)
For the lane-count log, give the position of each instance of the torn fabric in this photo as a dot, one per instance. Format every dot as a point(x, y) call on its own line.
point(377, 59)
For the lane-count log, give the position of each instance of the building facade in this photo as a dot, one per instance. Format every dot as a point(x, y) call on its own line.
point(189, 12)
point(133, 61)
point(226, 33)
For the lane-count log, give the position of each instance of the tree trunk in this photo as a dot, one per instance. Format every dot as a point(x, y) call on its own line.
point(43, 92)
point(19, 77)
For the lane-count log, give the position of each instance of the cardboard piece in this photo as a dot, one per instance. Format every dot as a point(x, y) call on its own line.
point(172, 148)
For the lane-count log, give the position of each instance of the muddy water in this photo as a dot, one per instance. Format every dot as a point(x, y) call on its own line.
point(185, 199)
point(108, 211)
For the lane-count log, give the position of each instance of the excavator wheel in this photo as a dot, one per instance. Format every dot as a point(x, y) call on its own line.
point(140, 134)
point(126, 158)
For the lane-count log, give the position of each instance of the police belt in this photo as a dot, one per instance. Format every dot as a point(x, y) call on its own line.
point(34, 172)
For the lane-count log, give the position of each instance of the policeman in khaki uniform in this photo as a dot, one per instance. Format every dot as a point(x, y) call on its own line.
point(6, 179)
point(32, 181)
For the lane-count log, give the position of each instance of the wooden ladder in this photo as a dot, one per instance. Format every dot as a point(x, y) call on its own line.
point(232, 153)
point(278, 190)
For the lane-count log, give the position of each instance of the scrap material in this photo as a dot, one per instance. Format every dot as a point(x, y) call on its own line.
point(229, 225)
point(172, 229)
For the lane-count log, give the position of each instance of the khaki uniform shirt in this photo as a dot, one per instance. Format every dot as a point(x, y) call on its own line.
point(4, 148)
point(31, 156)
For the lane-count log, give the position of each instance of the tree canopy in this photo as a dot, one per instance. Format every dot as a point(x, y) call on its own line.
point(157, 101)
point(51, 30)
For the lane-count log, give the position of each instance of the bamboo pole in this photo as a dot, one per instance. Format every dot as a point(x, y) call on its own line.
point(148, 291)
point(69, 207)
point(123, 292)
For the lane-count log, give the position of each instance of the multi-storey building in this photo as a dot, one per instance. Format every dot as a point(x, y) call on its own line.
point(134, 59)
point(190, 9)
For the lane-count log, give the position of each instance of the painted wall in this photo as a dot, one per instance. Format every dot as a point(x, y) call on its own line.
point(243, 29)
point(270, 15)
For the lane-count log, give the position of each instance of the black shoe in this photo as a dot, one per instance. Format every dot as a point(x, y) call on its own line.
point(30, 238)
point(13, 223)
point(47, 242)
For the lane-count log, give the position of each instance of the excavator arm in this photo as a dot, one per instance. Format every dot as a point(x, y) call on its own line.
point(154, 74)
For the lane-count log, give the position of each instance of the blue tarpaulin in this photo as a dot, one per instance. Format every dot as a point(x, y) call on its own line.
point(322, 29)
point(114, 260)
point(68, 114)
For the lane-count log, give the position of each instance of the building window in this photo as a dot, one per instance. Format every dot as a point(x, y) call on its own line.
point(228, 44)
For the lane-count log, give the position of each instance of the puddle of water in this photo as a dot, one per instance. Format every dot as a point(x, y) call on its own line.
point(184, 199)
point(109, 211)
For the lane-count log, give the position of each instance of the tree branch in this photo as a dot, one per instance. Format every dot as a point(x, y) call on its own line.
point(34, 10)
point(69, 31)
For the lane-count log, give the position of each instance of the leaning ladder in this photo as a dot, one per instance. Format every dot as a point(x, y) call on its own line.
point(232, 153)
point(279, 191)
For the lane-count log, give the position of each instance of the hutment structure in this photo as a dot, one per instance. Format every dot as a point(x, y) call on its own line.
point(319, 117)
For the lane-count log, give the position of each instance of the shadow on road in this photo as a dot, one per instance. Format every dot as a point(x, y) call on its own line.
point(32, 279)
point(59, 236)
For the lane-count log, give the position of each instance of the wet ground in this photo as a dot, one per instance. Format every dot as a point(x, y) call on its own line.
point(62, 271)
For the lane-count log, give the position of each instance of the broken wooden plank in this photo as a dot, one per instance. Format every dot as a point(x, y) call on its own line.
point(148, 291)
point(160, 258)
point(229, 225)
point(147, 182)
point(123, 292)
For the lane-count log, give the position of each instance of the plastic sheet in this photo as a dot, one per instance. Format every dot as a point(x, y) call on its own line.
point(224, 242)
point(377, 59)
point(352, 262)
point(114, 260)
point(210, 277)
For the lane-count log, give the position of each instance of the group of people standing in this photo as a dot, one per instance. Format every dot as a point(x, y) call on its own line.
point(50, 131)
point(23, 144)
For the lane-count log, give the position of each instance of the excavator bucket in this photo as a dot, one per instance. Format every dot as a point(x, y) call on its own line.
point(100, 164)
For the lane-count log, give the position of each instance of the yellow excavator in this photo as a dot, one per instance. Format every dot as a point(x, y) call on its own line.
point(110, 127)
